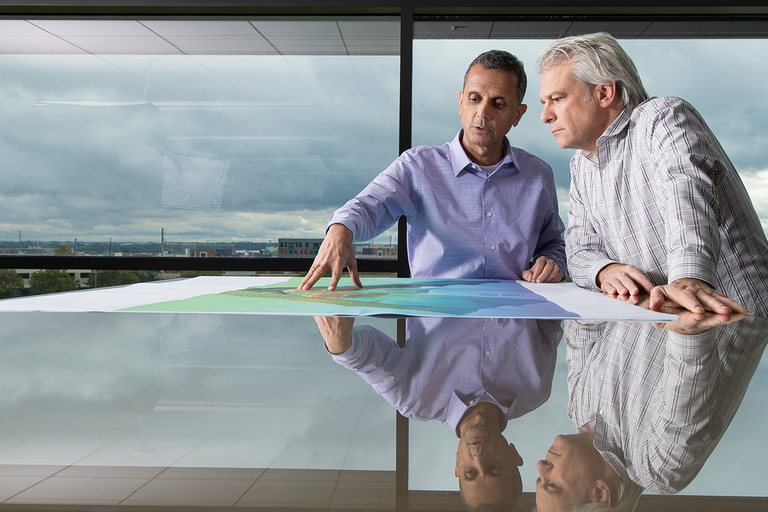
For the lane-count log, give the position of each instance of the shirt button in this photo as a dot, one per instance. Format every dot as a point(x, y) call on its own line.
point(490, 214)
point(493, 247)
point(472, 402)
point(487, 352)
point(602, 413)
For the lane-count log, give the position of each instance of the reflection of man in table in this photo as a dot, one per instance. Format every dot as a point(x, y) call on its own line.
point(649, 406)
point(656, 205)
point(471, 374)
point(476, 207)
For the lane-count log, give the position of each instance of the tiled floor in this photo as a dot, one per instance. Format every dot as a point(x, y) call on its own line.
point(103, 489)
point(196, 487)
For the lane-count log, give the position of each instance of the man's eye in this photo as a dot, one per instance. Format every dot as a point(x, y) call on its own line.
point(499, 104)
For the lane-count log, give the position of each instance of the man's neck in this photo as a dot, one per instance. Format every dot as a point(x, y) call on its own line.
point(483, 156)
point(482, 413)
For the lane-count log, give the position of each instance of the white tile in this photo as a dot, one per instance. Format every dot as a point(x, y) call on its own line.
point(123, 45)
point(204, 28)
point(93, 27)
point(37, 45)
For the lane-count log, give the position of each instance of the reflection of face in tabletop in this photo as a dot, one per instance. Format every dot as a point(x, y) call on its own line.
point(473, 375)
point(649, 405)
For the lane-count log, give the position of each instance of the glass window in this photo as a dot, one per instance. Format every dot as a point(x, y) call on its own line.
point(712, 75)
point(218, 131)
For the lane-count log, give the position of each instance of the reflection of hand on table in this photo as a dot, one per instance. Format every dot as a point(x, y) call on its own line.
point(336, 331)
point(336, 253)
point(696, 323)
point(690, 322)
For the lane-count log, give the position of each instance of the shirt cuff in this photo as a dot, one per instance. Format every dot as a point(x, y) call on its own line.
point(692, 266)
point(595, 269)
point(690, 346)
point(344, 221)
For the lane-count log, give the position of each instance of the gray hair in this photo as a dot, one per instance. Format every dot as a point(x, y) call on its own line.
point(629, 496)
point(505, 61)
point(597, 59)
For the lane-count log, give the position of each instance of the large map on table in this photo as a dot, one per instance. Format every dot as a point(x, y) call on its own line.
point(278, 295)
point(406, 297)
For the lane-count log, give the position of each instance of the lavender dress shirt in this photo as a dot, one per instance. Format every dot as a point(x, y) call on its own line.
point(462, 221)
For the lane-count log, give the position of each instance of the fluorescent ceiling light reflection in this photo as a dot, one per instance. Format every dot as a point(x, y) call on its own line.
point(189, 105)
point(243, 137)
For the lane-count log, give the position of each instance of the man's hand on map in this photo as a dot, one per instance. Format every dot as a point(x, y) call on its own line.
point(336, 331)
point(335, 254)
point(694, 295)
point(618, 279)
point(544, 270)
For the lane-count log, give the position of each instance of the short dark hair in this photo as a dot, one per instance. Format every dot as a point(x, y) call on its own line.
point(505, 61)
point(508, 506)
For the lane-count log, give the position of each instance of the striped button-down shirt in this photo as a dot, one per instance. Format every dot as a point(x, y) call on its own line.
point(662, 195)
point(659, 401)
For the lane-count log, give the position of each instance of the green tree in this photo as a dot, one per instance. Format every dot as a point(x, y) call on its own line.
point(51, 281)
point(196, 273)
point(64, 250)
point(102, 278)
point(11, 283)
point(146, 275)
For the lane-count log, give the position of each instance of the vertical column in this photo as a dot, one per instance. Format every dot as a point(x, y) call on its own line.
point(406, 115)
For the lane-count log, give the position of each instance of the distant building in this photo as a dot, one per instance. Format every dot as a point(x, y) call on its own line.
point(298, 247)
point(376, 251)
point(202, 253)
point(80, 275)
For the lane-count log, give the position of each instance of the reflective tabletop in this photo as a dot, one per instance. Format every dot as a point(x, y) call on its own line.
point(254, 411)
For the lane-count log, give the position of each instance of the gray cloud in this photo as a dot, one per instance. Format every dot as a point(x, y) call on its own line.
point(301, 134)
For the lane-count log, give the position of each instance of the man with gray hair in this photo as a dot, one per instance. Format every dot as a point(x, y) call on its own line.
point(656, 205)
point(476, 207)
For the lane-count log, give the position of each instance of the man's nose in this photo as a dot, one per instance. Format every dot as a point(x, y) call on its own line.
point(482, 110)
point(546, 115)
point(477, 449)
point(542, 467)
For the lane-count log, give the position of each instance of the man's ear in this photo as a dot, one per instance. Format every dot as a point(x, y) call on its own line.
point(457, 465)
point(601, 493)
point(607, 94)
point(521, 109)
point(516, 458)
point(461, 102)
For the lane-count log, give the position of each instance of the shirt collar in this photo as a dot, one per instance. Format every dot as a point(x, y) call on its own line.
point(460, 160)
point(458, 406)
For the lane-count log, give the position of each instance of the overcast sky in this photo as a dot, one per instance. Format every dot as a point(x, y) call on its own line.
point(274, 144)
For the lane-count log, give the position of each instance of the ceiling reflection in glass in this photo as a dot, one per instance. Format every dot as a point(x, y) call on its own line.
point(212, 130)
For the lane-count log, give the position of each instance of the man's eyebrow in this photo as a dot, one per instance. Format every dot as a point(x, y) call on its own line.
point(550, 95)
